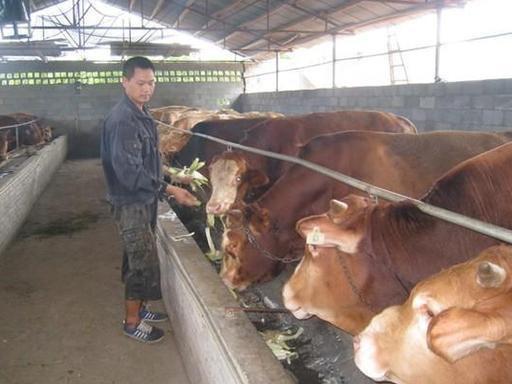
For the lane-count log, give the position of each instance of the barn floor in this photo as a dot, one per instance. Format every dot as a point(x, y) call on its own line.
point(63, 299)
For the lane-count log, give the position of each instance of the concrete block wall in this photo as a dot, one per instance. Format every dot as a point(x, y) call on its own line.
point(19, 190)
point(79, 113)
point(470, 105)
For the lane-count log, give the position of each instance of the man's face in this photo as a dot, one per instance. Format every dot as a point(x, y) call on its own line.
point(139, 88)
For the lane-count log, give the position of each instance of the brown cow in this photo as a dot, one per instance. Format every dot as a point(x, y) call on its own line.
point(286, 136)
point(231, 130)
point(457, 332)
point(29, 134)
point(395, 346)
point(403, 163)
point(394, 245)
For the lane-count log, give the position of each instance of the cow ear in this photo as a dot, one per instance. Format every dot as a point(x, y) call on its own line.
point(490, 275)
point(256, 178)
point(234, 217)
point(337, 208)
point(260, 220)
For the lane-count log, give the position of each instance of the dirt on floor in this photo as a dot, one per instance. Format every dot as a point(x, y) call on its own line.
point(61, 320)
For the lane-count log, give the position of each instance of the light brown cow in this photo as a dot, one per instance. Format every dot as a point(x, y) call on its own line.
point(458, 332)
point(395, 346)
point(392, 246)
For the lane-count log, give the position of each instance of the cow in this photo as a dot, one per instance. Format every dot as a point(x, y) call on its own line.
point(263, 234)
point(458, 332)
point(29, 134)
point(172, 141)
point(392, 246)
point(232, 130)
point(33, 133)
point(396, 345)
point(232, 176)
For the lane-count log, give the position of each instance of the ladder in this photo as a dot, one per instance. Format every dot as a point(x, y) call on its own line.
point(397, 70)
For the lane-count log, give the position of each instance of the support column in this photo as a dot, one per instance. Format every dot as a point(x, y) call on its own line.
point(437, 78)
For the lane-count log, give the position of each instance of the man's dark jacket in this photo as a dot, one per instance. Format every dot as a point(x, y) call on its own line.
point(129, 153)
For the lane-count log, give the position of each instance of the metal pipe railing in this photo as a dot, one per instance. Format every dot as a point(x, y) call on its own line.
point(440, 213)
point(16, 127)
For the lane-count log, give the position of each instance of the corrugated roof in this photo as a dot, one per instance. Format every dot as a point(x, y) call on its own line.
point(257, 28)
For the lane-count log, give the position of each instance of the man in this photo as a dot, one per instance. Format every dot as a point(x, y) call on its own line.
point(131, 162)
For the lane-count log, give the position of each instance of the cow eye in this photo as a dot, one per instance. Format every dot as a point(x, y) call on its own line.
point(238, 179)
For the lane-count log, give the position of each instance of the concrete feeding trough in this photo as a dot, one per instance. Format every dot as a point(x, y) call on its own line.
point(218, 345)
point(22, 180)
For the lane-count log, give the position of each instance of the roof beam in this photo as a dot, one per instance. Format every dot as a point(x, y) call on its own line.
point(230, 10)
point(352, 26)
point(324, 17)
point(186, 9)
point(257, 19)
point(192, 9)
point(290, 24)
point(157, 9)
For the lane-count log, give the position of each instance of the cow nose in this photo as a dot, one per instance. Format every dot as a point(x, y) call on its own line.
point(357, 343)
point(213, 208)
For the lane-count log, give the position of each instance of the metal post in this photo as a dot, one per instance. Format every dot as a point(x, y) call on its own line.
point(142, 13)
point(437, 78)
point(17, 138)
point(334, 60)
point(277, 71)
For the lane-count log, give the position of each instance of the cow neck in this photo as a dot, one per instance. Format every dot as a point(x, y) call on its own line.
point(272, 230)
point(375, 244)
point(353, 286)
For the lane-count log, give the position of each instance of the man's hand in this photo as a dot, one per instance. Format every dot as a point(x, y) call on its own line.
point(182, 196)
point(186, 179)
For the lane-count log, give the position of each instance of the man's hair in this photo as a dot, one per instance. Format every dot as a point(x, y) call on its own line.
point(136, 62)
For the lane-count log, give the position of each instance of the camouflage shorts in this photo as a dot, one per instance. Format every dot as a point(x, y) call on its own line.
point(140, 271)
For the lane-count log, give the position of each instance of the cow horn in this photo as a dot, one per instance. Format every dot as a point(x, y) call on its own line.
point(490, 275)
point(338, 207)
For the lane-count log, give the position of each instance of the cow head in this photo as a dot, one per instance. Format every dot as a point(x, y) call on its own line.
point(47, 133)
point(465, 328)
point(328, 283)
point(343, 226)
point(230, 179)
point(395, 346)
point(243, 260)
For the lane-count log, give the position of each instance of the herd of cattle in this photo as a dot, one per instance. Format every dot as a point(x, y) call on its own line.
point(387, 273)
point(22, 129)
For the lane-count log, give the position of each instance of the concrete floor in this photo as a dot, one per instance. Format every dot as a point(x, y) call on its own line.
point(63, 299)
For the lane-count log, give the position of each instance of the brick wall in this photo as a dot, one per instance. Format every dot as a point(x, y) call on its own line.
point(79, 112)
point(471, 105)
point(20, 190)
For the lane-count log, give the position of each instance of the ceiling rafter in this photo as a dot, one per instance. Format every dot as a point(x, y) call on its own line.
point(156, 9)
point(192, 9)
point(231, 10)
point(300, 20)
point(377, 20)
point(259, 18)
point(322, 16)
point(186, 9)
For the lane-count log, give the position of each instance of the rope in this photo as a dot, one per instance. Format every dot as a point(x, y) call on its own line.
point(440, 213)
point(18, 125)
